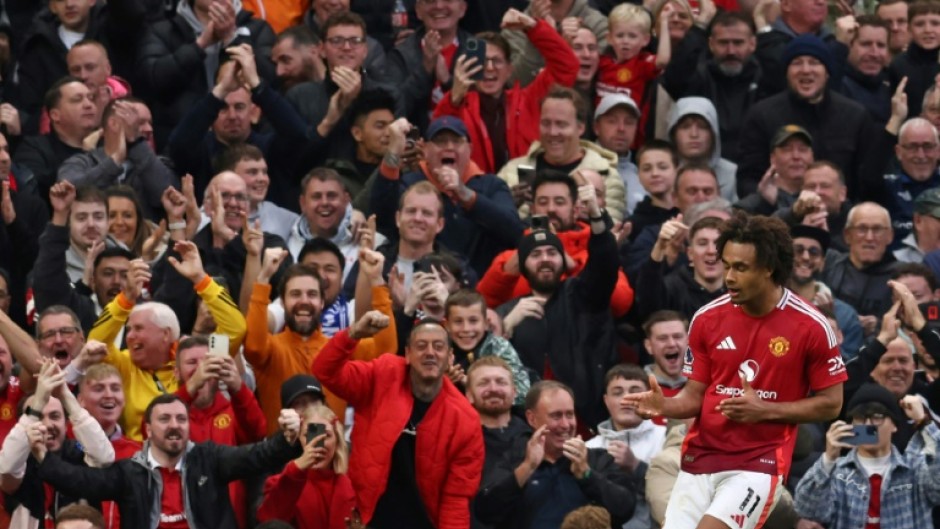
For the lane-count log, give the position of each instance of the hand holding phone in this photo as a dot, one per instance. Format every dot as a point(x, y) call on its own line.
point(314, 430)
point(862, 434)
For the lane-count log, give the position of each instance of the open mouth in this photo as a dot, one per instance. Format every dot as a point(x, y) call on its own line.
point(61, 354)
point(671, 357)
point(449, 161)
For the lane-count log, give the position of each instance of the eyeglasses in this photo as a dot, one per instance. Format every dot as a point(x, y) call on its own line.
point(238, 197)
point(813, 251)
point(496, 62)
point(66, 332)
point(914, 147)
point(875, 419)
point(864, 230)
point(340, 42)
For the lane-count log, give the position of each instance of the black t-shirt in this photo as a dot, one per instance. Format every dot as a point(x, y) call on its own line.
point(400, 504)
point(541, 165)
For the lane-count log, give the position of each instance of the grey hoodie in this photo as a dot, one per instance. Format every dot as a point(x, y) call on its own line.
point(724, 169)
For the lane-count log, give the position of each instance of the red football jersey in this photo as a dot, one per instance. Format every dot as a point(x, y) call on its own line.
point(783, 354)
point(9, 400)
point(628, 77)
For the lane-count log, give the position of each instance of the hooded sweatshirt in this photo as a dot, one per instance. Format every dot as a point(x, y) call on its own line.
point(724, 169)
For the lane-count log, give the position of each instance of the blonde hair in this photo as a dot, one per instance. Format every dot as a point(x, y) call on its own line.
point(630, 14)
point(341, 456)
point(682, 4)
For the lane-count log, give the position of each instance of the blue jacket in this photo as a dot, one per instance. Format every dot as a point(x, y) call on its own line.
point(900, 190)
point(839, 499)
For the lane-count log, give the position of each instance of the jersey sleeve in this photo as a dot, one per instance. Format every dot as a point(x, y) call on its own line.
point(697, 364)
point(824, 363)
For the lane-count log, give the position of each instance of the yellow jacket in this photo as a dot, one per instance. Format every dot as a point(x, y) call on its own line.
point(141, 386)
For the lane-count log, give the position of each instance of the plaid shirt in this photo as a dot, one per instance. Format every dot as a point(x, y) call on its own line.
point(839, 499)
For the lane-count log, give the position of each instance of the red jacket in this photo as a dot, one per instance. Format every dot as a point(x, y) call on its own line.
point(449, 445)
point(498, 287)
point(523, 105)
point(308, 499)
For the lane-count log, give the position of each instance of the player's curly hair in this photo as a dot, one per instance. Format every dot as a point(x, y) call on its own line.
point(771, 239)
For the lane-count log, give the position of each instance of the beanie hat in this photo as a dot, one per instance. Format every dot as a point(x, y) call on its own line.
point(808, 44)
point(537, 238)
point(871, 393)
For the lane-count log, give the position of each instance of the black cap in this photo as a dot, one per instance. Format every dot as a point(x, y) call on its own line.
point(871, 393)
point(811, 232)
point(296, 386)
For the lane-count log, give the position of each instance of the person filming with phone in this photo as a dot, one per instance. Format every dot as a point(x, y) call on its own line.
point(502, 118)
point(874, 484)
point(313, 491)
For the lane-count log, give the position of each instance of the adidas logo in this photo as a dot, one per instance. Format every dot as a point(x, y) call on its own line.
point(727, 344)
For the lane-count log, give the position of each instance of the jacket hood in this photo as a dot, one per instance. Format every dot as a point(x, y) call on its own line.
point(698, 106)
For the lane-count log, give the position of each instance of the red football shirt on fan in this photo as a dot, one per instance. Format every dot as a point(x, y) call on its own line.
point(629, 77)
point(785, 354)
point(9, 400)
point(172, 510)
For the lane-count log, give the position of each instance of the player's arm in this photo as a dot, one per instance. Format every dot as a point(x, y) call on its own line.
point(687, 404)
point(824, 405)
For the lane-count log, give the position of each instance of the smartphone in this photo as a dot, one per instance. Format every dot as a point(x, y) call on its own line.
point(218, 344)
point(540, 222)
point(526, 174)
point(411, 139)
point(862, 434)
point(423, 265)
point(313, 430)
point(475, 47)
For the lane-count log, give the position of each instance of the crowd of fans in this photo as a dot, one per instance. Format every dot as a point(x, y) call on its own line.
point(395, 263)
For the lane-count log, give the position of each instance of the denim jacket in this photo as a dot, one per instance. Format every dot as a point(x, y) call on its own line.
point(839, 499)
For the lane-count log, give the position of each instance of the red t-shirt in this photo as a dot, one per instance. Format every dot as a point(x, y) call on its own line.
point(9, 400)
point(172, 510)
point(629, 77)
point(785, 354)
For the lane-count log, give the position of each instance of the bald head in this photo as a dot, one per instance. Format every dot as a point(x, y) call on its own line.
point(88, 61)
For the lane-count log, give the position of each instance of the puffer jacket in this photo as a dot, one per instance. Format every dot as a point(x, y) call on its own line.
point(867, 289)
point(724, 169)
point(595, 158)
point(449, 449)
point(523, 104)
point(498, 287)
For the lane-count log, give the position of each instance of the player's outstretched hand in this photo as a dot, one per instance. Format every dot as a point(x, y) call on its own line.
point(648, 403)
point(747, 407)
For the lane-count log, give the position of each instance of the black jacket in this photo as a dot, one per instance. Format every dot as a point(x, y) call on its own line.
point(171, 69)
point(19, 241)
point(871, 91)
point(208, 468)
point(51, 284)
point(867, 290)
point(575, 337)
point(32, 493)
point(117, 25)
point(43, 155)
point(658, 288)
point(691, 72)
point(841, 128)
point(769, 53)
point(503, 503)
point(920, 66)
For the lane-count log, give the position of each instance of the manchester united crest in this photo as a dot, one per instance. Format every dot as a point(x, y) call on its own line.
point(624, 75)
point(222, 421)
point(779, 346)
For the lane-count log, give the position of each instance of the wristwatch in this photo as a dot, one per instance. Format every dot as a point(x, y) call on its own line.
point(33, 413)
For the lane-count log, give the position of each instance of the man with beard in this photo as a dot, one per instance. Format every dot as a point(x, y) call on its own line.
point(728, 75)
point(43, 424)
point(410, 475)
point(555, 198)
point(233, 421)
point(564, 330)
point(193, 476)
point(667, 337)
point(810, 245)
point(276, 357)
point(491, 391)
point(296, 57)
point(76, 221)
point(630, 439)
point(554, 472)
point(147, 366)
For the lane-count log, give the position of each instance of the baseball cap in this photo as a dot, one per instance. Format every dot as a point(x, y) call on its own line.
point(786, 132)
point(610, 101)
point(296, 386)
point(443, 123)
point(928, 203)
